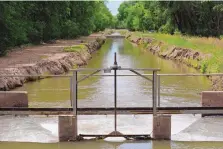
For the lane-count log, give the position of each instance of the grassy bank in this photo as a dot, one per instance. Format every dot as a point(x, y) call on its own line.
point(208, 46)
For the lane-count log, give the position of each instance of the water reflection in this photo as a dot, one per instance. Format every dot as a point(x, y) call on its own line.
point(125, 145)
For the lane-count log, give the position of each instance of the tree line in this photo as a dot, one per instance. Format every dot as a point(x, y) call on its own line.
point(202, 18)
point(23, 22)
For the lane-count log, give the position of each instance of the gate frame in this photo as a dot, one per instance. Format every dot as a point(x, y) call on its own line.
point(74, 90)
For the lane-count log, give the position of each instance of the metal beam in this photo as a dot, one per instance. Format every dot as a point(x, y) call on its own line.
point(110, 111)
point(44, 76)
point(154, 92)
point(71, 91)
point(141, 69)
point(158, 90)
point(88, 69)
point(103, 75)
point(141, 75)
point(115, 67)
point(166, 75)
point(87, 76)
point(127, 136)
point(74, 93)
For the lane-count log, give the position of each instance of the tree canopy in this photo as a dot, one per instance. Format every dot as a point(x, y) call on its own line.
point(23, 22)
point(203, 18)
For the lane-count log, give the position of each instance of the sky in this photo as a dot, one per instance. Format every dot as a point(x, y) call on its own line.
point(113, 6)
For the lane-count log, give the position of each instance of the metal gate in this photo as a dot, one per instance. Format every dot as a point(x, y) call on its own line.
point(155, 90)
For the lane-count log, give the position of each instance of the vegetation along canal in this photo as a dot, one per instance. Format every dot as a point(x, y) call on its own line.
point(132, 91)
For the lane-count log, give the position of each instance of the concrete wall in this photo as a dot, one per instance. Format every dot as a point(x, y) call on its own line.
point(162, 127)
point(212, 98)
point(13, 99)
point(67, 128)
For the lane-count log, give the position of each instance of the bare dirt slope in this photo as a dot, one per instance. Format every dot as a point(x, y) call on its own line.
point(33, 54)
point(44, 59)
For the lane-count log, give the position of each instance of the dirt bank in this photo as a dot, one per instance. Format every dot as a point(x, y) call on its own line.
point(45, 59)
point(187, 56)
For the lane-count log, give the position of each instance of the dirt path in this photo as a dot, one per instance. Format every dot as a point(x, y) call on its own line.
point(44, 59)
point(33, 54)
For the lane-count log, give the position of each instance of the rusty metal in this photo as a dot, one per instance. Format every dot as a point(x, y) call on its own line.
point(126, 136)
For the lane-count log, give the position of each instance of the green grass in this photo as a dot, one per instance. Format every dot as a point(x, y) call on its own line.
point(211, 46)
point(197, 43)
point(74, 48)
point(44, 56)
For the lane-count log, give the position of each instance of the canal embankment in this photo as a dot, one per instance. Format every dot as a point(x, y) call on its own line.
point(47, 59)
point(203, 54)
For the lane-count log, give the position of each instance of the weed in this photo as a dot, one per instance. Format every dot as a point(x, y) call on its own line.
point(213, 46)
point(74, 48)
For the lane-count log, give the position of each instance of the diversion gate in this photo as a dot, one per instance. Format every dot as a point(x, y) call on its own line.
point(212, 104)
point(155, 94)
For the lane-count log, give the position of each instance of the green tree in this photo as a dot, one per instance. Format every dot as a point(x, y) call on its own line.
point(24, 22)
point(204, 18)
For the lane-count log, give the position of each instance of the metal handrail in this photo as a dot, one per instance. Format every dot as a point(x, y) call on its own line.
point(120, 75)
point(36, 76)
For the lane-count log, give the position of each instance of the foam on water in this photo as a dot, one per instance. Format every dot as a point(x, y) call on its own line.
point(52, 127)
point(184, 127)
point(115, 139)
point(204, 129)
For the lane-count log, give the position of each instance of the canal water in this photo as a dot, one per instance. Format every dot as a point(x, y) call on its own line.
point(188, 131)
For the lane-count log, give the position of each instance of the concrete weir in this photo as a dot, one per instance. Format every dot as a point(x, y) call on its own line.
point(67, 128)
point(212, 103)
point(162, 127)
point(13, 99)
point(212, 99)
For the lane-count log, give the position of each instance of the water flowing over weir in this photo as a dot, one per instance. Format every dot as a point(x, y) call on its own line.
point(131, 92)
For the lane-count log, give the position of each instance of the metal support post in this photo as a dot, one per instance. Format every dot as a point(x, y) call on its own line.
point(154, 96)
point(74, 92)
point(158, 89)
point(115, 91)
point(115, 98)
point(71, 91)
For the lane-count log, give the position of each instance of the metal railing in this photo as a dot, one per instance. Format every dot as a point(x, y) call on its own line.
point(153, 77)
point(115, 68)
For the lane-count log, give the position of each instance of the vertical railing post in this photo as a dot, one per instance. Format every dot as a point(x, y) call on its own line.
point(115, 98)
point(158, 89)
point(154, 92)
point(74, 92)
point(115, 91)
point(71, 91)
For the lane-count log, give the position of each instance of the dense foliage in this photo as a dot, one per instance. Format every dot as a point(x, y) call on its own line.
point(23, 22)
point(203, 18)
